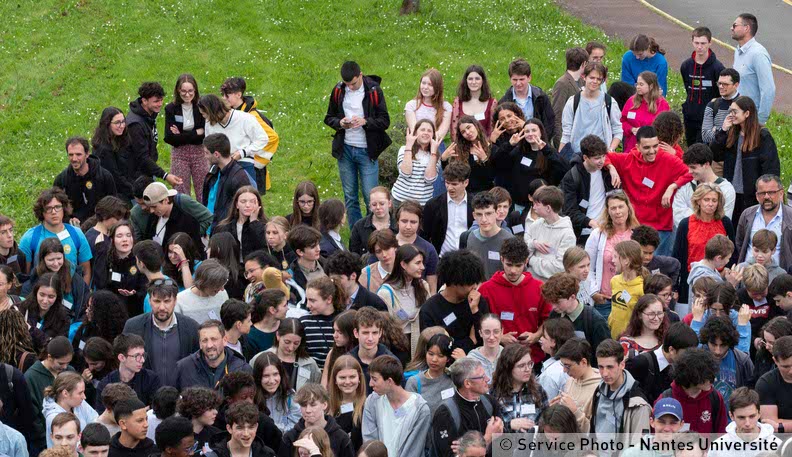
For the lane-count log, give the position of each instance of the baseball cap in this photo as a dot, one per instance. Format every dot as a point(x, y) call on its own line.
point(668, 406)
point(156, 192)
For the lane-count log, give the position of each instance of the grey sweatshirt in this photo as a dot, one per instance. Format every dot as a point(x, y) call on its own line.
point(488, 249)
point(412, 439)
point(699, 270)
point(431, 389)
point(611, 405)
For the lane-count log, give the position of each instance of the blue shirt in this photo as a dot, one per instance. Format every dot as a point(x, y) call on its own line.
point(70, 250)
point(527, 104)
point(726, 380)
point(632, 67)
point(774, 226)
point(12, 443)
point(753, 63)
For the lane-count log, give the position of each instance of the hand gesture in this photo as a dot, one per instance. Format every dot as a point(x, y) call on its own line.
point(698, 309)
point(87, 375)
point(126, 292)
point(474, 297)
point(744, 315)
point(458, 353)
point(516, 138)
point(74, 221)
point(435, 145)
point(308, 444)
point(544, 248)
point(734, 275)
point(497, 131)
point(174, 130)
point(727, 123)
point(410, 140)
point(449, 152)
point(540, 143)
point(178, 252)
point(478, 152)
point(255, 214)
point(174, 180)
point(494, 426)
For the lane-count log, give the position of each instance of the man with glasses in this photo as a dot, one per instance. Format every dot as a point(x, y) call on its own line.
point(583, 380)
point(717, 109)
point(753, 62)
point(772, 214)
point(207, 366)
point(130, 351)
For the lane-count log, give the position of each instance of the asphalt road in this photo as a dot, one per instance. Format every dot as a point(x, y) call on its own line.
point(775, 21)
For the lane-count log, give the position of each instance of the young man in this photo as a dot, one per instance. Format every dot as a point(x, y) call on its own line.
point(717, 109)
point(174, 437)
point(313, 399)
point(549, 237)
point(568, 85)
point(459, 306)
point(408, 218)
point(343, 267)
point(242, 425)
point(241, 388)
point(781, 291)
point(618, 394)
point(653, 369)
point(95, 441)
point(9, 250)
point(753, 62)
point(225, 177)
point(368, 330)
point(698, 159)
point(141, 217)
point(450, 214)
point(168, 336)
point(487, 240)
point(66, 432)
point(141, 122)
point(717, 254)
point(84, 180)
point(736, 368)
point(400, 419)
point(130, 350)
point(666, 421)
point(207, 366)
point(560, 291)
point(358, 114)
point(775, 388)
point(583, 380)
point(702, 405)
point(700, 76)
point(650, 180)
point(516, 298)
point(41, 375)
point(649, 239)
point(745, 430)
point(772, 214)
point(169, 217)
point(470, 408)
point(585, 186)
point(237, 322)
point(131, 441)
point(531, 100)
point(111, 395)
point(309, 264)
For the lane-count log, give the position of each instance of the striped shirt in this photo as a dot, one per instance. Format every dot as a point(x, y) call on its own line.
point(714, 115)
point(414, 186)
point(318, 336)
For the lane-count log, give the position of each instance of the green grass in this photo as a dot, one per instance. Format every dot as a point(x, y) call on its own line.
point(63, 62)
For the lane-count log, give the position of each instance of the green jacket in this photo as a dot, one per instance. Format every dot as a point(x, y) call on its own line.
point(39, 378)
point(187, 204)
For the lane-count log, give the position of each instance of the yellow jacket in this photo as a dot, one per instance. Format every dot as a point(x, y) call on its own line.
point(249, 106)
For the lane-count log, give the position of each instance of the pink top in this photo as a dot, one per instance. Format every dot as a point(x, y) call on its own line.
point(632, 118)
point(608, 267)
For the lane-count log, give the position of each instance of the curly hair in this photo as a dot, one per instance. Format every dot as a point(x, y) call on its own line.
point(695, 366)
point(502, 380)
point(719, 328)
point(460, 268)
point(270, 359)
point(393, 335)
point(635, 325)
point(195, 401)
point(14, 336)
point(108, 315)
point(46, 196)
point(234, 382)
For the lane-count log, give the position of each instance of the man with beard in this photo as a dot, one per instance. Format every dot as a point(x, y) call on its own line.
point(769, 214)
point(207, 366)
point(84, 180)
point(169, 337)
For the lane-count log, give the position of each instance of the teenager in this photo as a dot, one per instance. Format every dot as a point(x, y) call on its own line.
point(199, 405)
point(626, 285)
point(184, 131)
point(383, 244)
point(473, 98)
point(95, 441)
point(111, 395)
point(555, 332)
point(429, 104)
point(700, 75)
point(568, 85)
point(667, 421)
point(434, 384)
point(170, 214)
point(450, 214)
point(325, 300)
point(110, 143)
point(343, 267)
point(578, 392)
point(57, 357)
point(409, 217)
point(269, 310)
point(313, 400)
point(44, 308)
point(65, 435)
point(649, 239)
point(347, 397)
point(129, 350)
point(240, 388)
point(245, 221)
point(532, 101)
point(291, 348)
point(174, 436)
point(242, 422)
point(67, 394)
point(404, 292)
point(52, 259)
point(550, 236)
point(520, 398)
point(745, 428)
point(773, 387)
point(378, 218)
point(717, 109)
point(736, 368)
point(578, 263)
point(645, 55)
point(115, 268)
point(472, 148)
point(489, 353)
point(642, 108)
point(277, 233)
point(486, 240)
point(202, 301)
point(344, 340)
point(418, 162)
point(131, 441)
point(647, 326)
point(273, 393)
point(508, 120)
point(308, 265)
point(237, 322)
point(369, 327)
point(331, 218)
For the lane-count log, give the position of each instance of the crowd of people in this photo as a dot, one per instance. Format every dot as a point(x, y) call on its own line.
point(523, 277)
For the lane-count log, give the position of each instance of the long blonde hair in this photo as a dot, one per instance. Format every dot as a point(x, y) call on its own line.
point(436, 78)
point(651, 98)
point(347, 362)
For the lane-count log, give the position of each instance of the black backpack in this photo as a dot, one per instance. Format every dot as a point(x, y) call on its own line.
point(576, 102)
point(456, 417)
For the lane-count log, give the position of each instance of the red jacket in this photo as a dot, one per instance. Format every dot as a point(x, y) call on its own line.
point(645, 183)
point(698, 411)
point(521, 308)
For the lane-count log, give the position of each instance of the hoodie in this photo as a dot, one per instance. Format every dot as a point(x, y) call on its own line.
point(721, 445)
point(38, 378)
point(143, 449)
point(583, 394)
point(520, 307)
point(85, 191)
point(143, 137)
point(560, 236)
point(84, 413)
point(698, 411)
point(340, 442)
point(257, 448)
point(627, 404)
point(701, 85)
point(416, 419)
point(701, 270)
point(577, 193)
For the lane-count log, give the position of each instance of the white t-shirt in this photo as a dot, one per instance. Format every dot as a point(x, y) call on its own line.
point(596, 196)
point(159, 232)
point(353, 106)
point(426, 111)
point(398, 419)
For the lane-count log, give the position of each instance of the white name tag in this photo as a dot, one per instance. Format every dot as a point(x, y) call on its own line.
point(63, 235)
point(179, 118)
point(213, 315)
point(115, 277)
point(448, 320)
point(11, 259)
point(584, 204)
point(648, 183)
point(303, 372)
point(580, 334)
point(39, 325)
point(626, 296)
point(655, 271)
point(82, 344)
point(507, 316)
point(630, 114)
point(68, 304)
point(479, 116)
point(526, 162)
point(585, 231)
point(492, 255)
point(518, 229)
point(448, 393)
point(347, 408)
point(706, 83)
point(527, 409)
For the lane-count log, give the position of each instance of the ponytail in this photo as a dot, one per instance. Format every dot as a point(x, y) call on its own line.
point(328, 288)
point(644, 43)
point(66, 381)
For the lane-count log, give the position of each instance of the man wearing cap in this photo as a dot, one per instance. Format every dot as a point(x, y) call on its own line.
point(666, 420)
point(169, 219)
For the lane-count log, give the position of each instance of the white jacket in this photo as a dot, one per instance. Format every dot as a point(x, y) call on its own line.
point(85, 413)
point(746, 449)
point(595, 247)
point(245, 134)
point(683, 207)
point(559, 236)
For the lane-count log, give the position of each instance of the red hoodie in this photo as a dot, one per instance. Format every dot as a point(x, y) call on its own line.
point(645, 183)
point(698, 411)
point(520, 307)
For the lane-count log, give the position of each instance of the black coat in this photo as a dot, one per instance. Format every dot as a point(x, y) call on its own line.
point(143, 136)
point(192, 371)
point(232, 177)
point(761, 161)
point(645, 369)
point(179, 221)
point(145, 383)
point(173, 116)
point(106, 277)
point(543, 107)
point(254, 236)
point(339, 440)
point(522, 175)
point(120, 165)
point(328, 245)
point(365, 297)
point(577, 187)
point(362, 230)
point(85, 191)
point(435, 220)
point(267, 431)
point(16, 412)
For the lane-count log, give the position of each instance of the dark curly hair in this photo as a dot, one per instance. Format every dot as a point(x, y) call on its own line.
point(502, 381)
point(646, 236)
point(635, 325)
point(108, 315)
point(46, 196)
point(695, 366)
point(460, 268)
point(514, 250)
point(195, 401)
point(719, 328)
point(234, 382)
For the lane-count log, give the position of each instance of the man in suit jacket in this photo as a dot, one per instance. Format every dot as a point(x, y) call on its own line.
point(772, 214)
point(440, 229)
point(344, 267)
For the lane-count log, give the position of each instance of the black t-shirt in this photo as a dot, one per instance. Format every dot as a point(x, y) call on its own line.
point(773, 390)
point(455, 317)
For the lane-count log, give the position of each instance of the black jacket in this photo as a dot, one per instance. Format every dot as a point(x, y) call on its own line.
point(120, 166)
point(375, 112)
point(142, 132)
point(761, 161)
point(646, 370)
point(232, 178)
point(145, 383)
point(85, 191)
point(187, 329)
point(267, 431)
point(173, 116)
point(681, 253)
point(179, 221)
point(144, 448)
point(298, 276)
point(435, 220)
point(577, 188)
point(701, 85)
point(16, 412)
point(365, 297)
point(524, 166)
point(543, 107)
point(257, 449)
point(106, 277)
point(328, 245)
point(472, 415)
point(339, 440)
point(79, 291)
point(254, 235)
point(56, 321)
point(362, 230)
point(192, 371)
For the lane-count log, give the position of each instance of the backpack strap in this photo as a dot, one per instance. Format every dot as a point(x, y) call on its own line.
point(456, 416)
point(22, 359)
point(390, 291)
point(576, 103)
point(715, 406)
point(419, 383)
point(487, 405)
point(9, 372)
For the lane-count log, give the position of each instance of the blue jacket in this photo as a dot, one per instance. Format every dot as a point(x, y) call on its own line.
point(192, 371)
point(12, 443)
point(632, 67)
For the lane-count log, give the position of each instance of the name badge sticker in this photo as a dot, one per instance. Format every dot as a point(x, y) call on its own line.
point(527, 409)
point(648, 183)
point(68, 304)
point(706, 83)
point(179, 118)
point(526, 162)
point(630, 114)
point(584, 204)
point(479, 116)
point(493, 255)
point(518, 229)
point(63, 235)
point(11, 259)
point(448, 320)
point(347, 408)
point(626, 296)
point(213, 315)
point(116, 276)
point(448, 393)
point(507, 316)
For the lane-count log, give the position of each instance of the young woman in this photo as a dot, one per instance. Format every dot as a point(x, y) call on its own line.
point(343, 340)
point(508, 118)
point(8, 281)
point(246, 221)
point(747, 150)
point(52, 259)
point(43, 308)
point(332, 215)
point(429, 104)
point(269, 309)
point(273, 393)
point(313, 442)
point(378, 218)
point(66, 395)
point(277, 231)
point(16, 344)
point(661, 285)
point(419, 165)
point(516, 390)
point(647, 328)
point(110, 143)
point(199, 405)
point(418, 362)
point(577, 263)
point(472, 147)
point(393, 338)
point(347, 388)
point(292, 350)
point(224, 248)
point(95, 361)
point(488, 354)
point(644, 55)
point(557, 424)
point(325, 300)
point(774, 329)
point(183, 260)
point(626, 285)
point(115, 269)
point(383, 244)
point(555, 332)
point(616, 224)
point(404, 291)
point(474, 99)
point(642, 108)
point(376, 448)
point(305, 205)
point(105, 317)
point(434, 384)
point(531, 157)
point(109, 211)
point(184, 131)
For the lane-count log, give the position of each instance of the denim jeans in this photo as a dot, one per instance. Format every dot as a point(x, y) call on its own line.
point(666, 242)
point(604, 309)
point(353, 163)
point(250, 169)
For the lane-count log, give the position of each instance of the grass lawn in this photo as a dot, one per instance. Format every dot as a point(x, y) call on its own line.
point(63, 62)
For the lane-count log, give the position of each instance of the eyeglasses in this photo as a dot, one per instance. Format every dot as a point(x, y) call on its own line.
point(53, 209)
point(161, 282)
point(768, 193)
point(121, 122)
point(568, 366)
point(654, 315)
point(187, 92)
point(527, 366)
point(193, 449)
point(137, 357)
point(735, 25)
point(305, 202)
point(475, 378)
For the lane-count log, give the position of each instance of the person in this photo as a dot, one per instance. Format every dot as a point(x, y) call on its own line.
point(429, 104)
point(774, 329)
point(585, 187)
point(246, 139)
point(348, 397)
point(277, 232)
point(774, 387)
point(520, 397)
point(313, 400)
point(555, 332)
point(53, 210)
point(599, 116)
point(163, 407)
point(225, 177)
point(470, 408)
point(670, 129)
point(359, 115)
point(273, 393)
point(578, 263)
point(485, 240)
point(645, 55)
point(65, 434)
point(269, 310)
point(626, 285)
point(473, 148)
point(768, 215)
point(720, 338)
point(650, 179)
point(753, 62)
point(207, 366)
point(418, 362)
point(240, 388)
point(224, 250)
point(667, 421)
point(344, 267)
point(717, 254)
point(717, 109)
point(313, 441)
point(620, 393)
point(149, 261)
point(473, 98)
point(550, 236)
point(450, 214)
point(56, 359)
point(763, 244)
point(146, 213)
point(52, 259)
point(698, 159)
point(129, 350)
point(164, 347)
point(325, 299)
point(174, 436)
point(408, 217)
point(183, 259)
point(471, 444)
point(237, 322)
point(418, 162)
point(433, 383)
point(779, 290)
point(369, 326)
point(305, 205)
point(309, 263)
point(745, 427)
point(578, 392)
point(291, 348)
point(97, 360)
point(331, 218)
point(9, 251)
point(754, 293)
point(45, 309)
point(95, 441)
point(378, 218)
point(642, 108)
point(111, 395)
point(184, 131)
point(649, 239)
point(169, 217)
point(614, 226)
point(532, 100)
point(66, 394)
point(202, 301)
point(84, 180)
point(700, 75)
point(141, 124)
point(720, 299)
point(131, 440)
point(110, 144)
point(383, 244)
point(15, 398)
point(459, 306)
point(398, 418)
point(489, 353)
point(115, 269)
point(242, 422)
point(647, 327)
point(509, 119)
point(568, 85)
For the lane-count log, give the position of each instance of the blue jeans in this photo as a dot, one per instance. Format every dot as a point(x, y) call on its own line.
point(250, 169)
point(353, 163)
point(666, 243)
point(438, 186)
point(604, 309)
